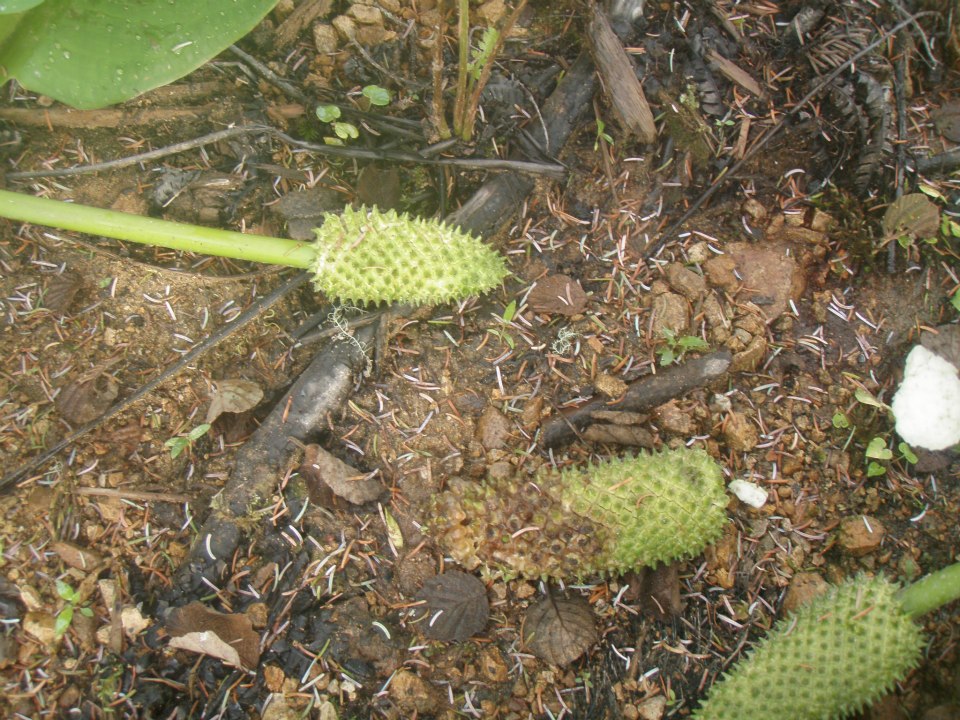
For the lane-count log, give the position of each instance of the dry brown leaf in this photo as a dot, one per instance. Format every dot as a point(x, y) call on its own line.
point(455, 608)
point(325, 474)
point(559, 630)
point(82, 401)
point(233, 396)
point(913, 216)
point(557, 294)
point(76, 556)
point(230, 638)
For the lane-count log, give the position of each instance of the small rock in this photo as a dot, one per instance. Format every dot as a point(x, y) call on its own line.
point(720, 272)
point(325, 39)
point(345, 26)
point(686, 282)
point(612, 387)
point(740, 433)
point(770, 274)
point(372, 35)
point(821, 221)
point(493, 429)
point(672, 419)
point(861, 535)
point(804, 587)
point(749, 358)
point(557, 294)
point(41, 626)
point(670, 312)
point(413, 694)
point(366, 14)
point(492, 667)
point(652, 708)
point(754, 209)
point(491, 12)
point(699, 253)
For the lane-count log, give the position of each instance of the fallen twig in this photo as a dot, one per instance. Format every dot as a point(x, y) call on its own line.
point(644, 394)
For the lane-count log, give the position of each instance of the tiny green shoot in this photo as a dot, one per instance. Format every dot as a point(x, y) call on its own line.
point(184, 442)
point(602, 135)
point(65, 616)
point(676, 347)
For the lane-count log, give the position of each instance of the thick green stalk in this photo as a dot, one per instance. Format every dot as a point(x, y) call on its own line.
point(930, 592)
point(151, 231)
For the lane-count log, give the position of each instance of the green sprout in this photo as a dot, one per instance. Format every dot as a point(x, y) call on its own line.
point(602, 135)
point(65, 616)
point(330, 114)
point(184, 442)
point(676, 347)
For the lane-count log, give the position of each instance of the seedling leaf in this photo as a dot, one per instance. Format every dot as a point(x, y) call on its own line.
point(328, 113)
point(867, 398)
point(878, 449)
point(376, 95)
point(62, 623)
point(907, 453)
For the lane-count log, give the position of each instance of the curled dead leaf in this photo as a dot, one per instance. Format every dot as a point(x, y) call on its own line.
point(325, 474)
point(233, 396)
point(229, 637)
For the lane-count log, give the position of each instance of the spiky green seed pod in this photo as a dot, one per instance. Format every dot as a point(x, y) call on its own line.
point(369, 256)
point(830, 658)
point(606, 519)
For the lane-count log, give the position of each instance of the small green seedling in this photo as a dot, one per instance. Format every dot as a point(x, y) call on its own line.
point(676, 347)
point(184, 442)
point(877, 450)
point(602, 135)
point(835, 655)
point(330, 114)
point(65, 616)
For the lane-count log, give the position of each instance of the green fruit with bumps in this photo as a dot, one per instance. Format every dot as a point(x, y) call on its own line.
point(606, 519)
point(832, 657)
point(371, 256)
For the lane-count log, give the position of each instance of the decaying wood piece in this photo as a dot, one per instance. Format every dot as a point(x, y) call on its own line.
point(322, 388)
point(644, 394)
point(620, 80)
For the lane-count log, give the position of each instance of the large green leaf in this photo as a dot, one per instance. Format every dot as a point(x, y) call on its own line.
point(91, 53)
point(17, 6)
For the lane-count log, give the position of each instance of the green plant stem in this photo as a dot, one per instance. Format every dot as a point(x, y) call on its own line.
point(151, 231)
point(930, 592)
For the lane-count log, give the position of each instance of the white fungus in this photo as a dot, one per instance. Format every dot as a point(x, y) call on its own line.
point(927, 404)
point(748, 492)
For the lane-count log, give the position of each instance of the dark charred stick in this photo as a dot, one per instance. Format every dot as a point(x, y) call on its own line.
point(321, 389)
point(644, 394)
